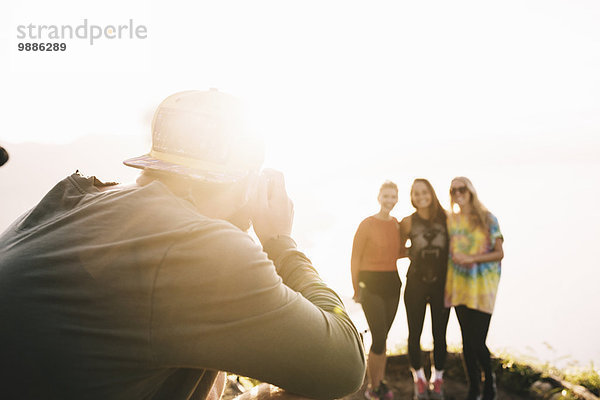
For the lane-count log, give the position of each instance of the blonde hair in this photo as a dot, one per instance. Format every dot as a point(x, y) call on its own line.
point(388, 185)
point(480, 215)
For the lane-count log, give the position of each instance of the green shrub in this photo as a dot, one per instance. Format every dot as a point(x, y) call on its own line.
point(586, 377)
point(514, 376)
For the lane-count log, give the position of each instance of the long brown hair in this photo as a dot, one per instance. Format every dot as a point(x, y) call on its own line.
point(480, 214)
point(435, 208)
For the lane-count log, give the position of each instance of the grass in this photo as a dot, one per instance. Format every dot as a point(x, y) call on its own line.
point(587, 377)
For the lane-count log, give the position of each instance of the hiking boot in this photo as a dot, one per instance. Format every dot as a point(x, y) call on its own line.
point(489, 388)
point(435, 389)
point(421, 390)
point(384, 392)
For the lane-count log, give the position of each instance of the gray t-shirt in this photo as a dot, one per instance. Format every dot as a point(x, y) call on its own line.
point(132, 294)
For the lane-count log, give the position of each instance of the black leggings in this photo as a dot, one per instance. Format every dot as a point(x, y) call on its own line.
point(379, 297)
point(474, 327)
point(416, 297)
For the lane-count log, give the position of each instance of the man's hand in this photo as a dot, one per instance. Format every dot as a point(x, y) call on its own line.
point(273, 213)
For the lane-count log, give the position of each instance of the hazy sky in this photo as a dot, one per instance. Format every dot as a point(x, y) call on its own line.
point(348, 94)
point(317, 71)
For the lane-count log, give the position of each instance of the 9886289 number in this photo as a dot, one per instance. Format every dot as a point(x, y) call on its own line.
point(42, 46)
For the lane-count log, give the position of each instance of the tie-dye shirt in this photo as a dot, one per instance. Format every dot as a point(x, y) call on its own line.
point(474, 285)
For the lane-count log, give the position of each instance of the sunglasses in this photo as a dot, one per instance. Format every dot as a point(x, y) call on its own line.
point(461, 190)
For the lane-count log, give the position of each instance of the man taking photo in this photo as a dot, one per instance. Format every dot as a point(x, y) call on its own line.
point(147, 291)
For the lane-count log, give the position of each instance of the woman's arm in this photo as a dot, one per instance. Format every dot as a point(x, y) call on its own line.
point(405, 226)
point(496, 254)
point(358, 246)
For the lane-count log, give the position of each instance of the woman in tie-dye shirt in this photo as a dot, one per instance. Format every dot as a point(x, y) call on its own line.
point(472, 280)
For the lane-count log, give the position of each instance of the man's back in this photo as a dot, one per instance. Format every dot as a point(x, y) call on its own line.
point(123, 293)
point(76, 282)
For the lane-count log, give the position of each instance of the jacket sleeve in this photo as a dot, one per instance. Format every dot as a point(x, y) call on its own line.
point(220, 303)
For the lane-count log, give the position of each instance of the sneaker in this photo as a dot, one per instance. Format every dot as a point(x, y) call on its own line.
point(421, 390)
point(435, 389)
point(371, 395)
point(385, 393)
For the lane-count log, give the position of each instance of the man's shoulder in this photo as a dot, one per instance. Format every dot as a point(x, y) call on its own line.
point(216, 238)
point(152, 207)
point(217, 258)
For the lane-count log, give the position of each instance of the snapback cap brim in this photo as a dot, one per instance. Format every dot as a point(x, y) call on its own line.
point(150, 163)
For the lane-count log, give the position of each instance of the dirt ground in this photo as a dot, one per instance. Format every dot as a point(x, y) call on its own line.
point(399, 379)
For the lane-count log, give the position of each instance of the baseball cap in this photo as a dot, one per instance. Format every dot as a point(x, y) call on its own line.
point(201, 135)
